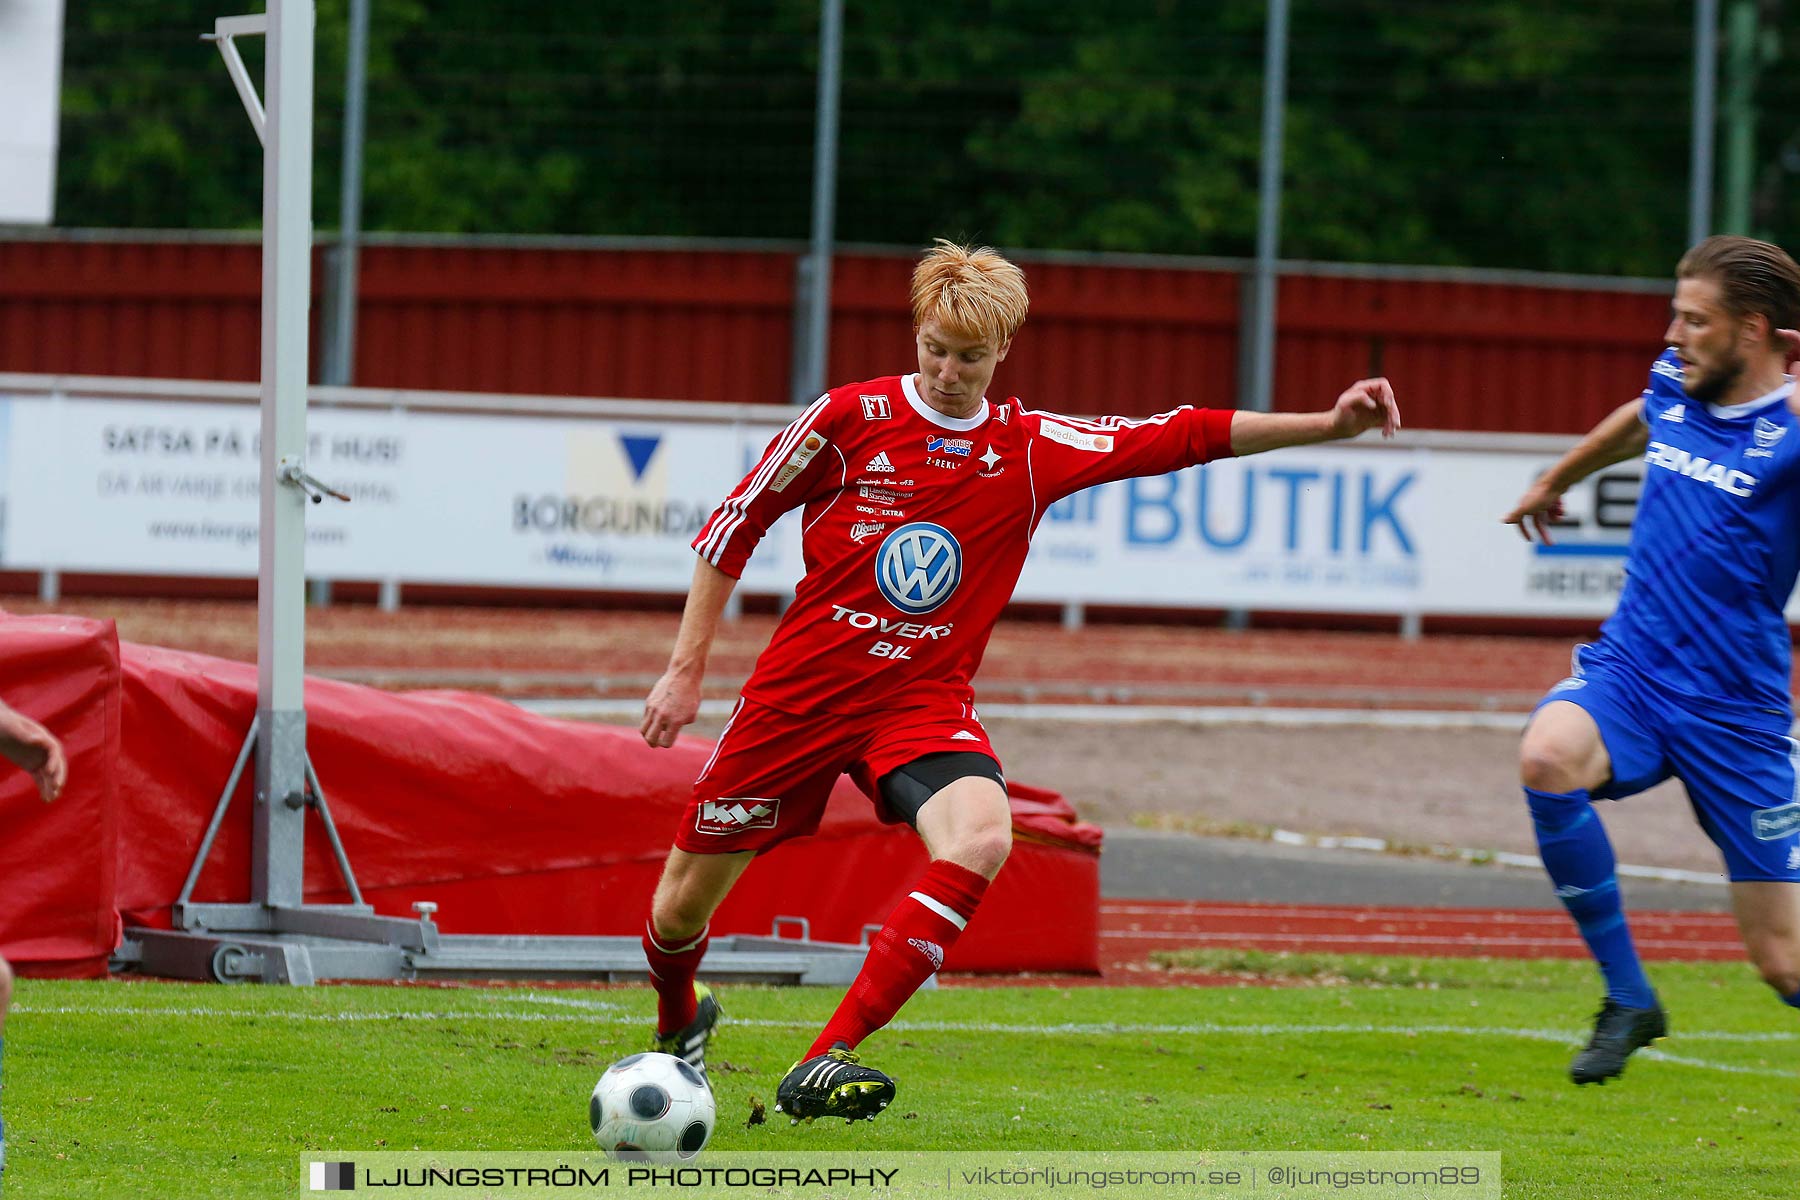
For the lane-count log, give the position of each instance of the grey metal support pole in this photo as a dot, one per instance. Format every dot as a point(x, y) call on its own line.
point(278, 825)
point(1257, 392)
point(809, 375)
point(1256, 367)
point(340, 356)
point(1742, 56)
point(1705, 119)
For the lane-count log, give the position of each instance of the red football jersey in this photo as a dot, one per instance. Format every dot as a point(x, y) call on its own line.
point(915, 528)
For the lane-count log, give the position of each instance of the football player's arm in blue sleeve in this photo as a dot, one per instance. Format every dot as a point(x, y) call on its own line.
point(1622, 434)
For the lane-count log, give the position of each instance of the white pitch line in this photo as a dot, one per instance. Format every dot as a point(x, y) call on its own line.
point(1241, 936)
point(1201, 1029)
point(582, 708)
point(588, 708)
point(1485, 918)
point(1180, 714)
point(560, 1001)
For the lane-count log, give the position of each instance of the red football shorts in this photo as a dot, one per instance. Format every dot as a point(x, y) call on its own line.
point(770, 775)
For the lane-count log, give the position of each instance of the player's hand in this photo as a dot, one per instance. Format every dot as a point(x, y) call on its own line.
point(54, 774)
point(672, 703)
point(36, 750)
point(1536, 510)
point(1366, 404)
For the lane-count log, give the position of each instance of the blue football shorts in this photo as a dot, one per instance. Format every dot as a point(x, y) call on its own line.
point(1742, 782)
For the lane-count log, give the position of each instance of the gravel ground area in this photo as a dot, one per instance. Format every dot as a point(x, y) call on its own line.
point(1411, 787)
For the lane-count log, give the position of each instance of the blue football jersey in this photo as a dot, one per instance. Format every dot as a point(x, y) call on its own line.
point(1714, 550)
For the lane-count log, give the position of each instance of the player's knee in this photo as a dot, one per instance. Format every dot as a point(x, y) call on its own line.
point(1784, 979)
point(984, 849)
point(678, 913)
point(1779, 968)
point(1545, 766)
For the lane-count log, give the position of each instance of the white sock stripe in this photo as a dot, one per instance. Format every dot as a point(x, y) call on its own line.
point(650, 935)
point(941, 909)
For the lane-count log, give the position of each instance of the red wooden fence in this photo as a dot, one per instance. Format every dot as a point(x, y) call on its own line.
point(713, 322)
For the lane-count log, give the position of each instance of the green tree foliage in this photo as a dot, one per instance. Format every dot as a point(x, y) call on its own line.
point(1500, 133)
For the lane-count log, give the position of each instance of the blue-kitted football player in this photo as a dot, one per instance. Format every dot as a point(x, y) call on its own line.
point(1691, 675)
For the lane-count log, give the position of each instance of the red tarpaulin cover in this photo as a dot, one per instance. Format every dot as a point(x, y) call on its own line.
point(57, 915)
point(511, 822)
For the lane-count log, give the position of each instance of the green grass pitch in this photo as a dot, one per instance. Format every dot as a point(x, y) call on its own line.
point(155, 1089)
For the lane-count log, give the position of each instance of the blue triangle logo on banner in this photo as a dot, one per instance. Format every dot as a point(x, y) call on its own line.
point(639, 449)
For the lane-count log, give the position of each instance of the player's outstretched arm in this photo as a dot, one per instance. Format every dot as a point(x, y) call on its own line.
point(675, 700)
point(35, 749)
point(1364, 405)
point(1621, 435)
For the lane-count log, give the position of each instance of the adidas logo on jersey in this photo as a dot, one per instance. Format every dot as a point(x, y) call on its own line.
point(880, 464)
point(1678, 414)
point(963, 735)
point(930, 950)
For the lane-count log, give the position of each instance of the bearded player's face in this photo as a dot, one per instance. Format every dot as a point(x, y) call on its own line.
point(1706, 338)
point(954, 371)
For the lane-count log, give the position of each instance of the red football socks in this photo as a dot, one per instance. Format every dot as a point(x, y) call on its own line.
point(672, 970)
point(908, 951)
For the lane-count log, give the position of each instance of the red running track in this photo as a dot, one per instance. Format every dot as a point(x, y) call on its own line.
point(1131, 929)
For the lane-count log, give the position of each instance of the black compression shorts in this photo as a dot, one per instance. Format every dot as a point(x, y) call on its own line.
point(906, 789)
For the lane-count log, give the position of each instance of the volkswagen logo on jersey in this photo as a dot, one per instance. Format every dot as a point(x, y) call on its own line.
point(918, 567)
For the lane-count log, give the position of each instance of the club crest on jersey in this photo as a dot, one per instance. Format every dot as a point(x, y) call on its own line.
point(875, 408)
point(918, 567)
point(1767, 434)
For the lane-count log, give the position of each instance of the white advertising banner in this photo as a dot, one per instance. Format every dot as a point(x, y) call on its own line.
point(1339, 529)
point(130, 486)
point(171, 488)
point(1331, 530)
point(577, 503)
